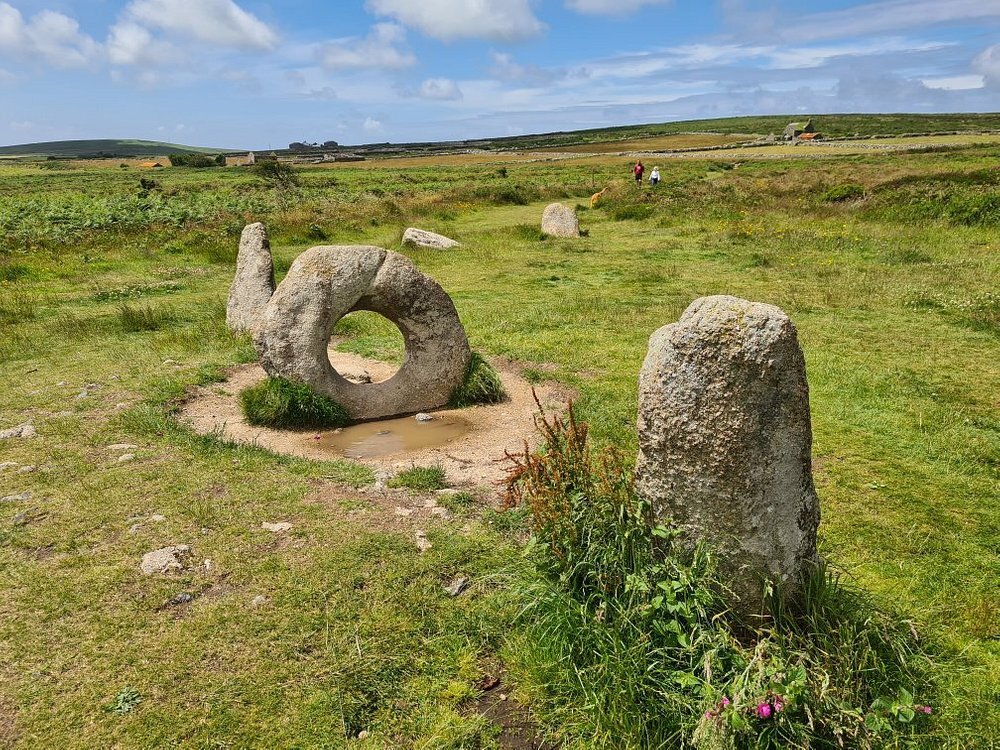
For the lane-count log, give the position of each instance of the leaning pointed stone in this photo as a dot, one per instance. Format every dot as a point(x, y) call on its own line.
point(254, 283)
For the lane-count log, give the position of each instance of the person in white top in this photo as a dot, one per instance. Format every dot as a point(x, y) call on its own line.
point(654, 176)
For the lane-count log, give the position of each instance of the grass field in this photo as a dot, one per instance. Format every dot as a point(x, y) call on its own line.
point(112, 304)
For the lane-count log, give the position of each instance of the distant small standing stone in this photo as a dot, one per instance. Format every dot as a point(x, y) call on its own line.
point(560, 221)
point(428, 239)
point(725, 442)
point(165, 560)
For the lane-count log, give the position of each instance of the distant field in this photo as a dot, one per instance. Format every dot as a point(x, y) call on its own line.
point(661, 143)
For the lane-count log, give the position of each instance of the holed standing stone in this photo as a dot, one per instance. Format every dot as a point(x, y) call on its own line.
point(725, 443)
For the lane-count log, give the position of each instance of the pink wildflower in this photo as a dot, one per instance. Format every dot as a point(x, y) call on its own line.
point(924, 709)
point(764, 710)
point(725, 702)
point(778, 704)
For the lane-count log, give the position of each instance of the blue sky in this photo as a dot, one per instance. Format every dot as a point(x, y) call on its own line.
point(248, 73)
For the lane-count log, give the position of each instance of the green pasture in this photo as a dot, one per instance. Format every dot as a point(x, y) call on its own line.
point(112, 297)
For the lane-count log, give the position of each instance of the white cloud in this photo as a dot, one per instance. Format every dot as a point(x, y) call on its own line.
point(463, 19)
point(885, 16)
point(610, 7)
point(440, 89)
point(6, 77)
point(955, 83)
point(220, 22)
point(505, 68)
point(371, 125)
point(988, 65)
point(131, 44)
point(49, 37)
point(377, 50)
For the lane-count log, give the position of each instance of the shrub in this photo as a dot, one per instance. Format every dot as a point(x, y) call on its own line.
point(627, 618)
point(281, 403)
point(198, 161)
point(276, 173)
point(426, 478)
point(482, 385)
point(842, 193)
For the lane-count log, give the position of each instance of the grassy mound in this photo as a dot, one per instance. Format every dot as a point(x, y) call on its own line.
point(624, 620)
point(278, 402)
point(420, 478)
point(482, 385)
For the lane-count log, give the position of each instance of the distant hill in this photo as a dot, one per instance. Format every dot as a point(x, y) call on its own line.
point(832, 126)
point(98, 148)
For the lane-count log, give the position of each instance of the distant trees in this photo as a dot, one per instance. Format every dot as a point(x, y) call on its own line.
point(299, 146)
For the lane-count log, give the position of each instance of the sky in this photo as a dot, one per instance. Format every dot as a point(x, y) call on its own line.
point(256, 74)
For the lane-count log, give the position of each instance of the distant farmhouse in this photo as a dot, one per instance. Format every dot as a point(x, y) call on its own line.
point(804, 130)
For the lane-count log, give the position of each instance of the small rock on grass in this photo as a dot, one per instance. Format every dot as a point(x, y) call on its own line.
point(21, 498)
point(126, 458)
point(423, 544)
point(26, 430)
point(27, 469)
point(184, 597)
point(456, 587)
point(8, 465)
point(164, 560)
point(259, 601)
point(276, 528)
point(28, 516)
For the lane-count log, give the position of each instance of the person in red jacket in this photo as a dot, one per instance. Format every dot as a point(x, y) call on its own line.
point(638, 170)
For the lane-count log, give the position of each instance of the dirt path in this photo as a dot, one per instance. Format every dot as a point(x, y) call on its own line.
point(472, 459)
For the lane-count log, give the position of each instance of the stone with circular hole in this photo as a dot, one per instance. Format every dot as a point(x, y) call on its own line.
point(326, 283)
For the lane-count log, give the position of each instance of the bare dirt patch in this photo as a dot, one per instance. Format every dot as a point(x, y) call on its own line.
point(475, 457)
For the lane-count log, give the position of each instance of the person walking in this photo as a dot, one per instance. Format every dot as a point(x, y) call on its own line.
point(654, 176)
point(638, 170)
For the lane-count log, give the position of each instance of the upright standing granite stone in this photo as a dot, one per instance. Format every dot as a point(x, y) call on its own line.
point(725, 442)
point(254, 282)
point(560, 221)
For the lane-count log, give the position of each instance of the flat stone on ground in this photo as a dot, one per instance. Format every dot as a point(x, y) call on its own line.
point(164, 560)
point(424, 238)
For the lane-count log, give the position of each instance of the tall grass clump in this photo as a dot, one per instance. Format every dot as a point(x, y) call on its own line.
point(140, 318)
point(626, 638)
point(283, 404)
point(482, 385)
point(17, 306)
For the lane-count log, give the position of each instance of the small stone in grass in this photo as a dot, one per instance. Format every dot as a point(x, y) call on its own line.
point(126, 457)
point(164, 560)
point(7, 465)
point(456, 587)
point(26, 430)
point(27, 469)
point(423, 544)
point(259, 601)
point(182, 598)
point(276, 528)
point(21, 498)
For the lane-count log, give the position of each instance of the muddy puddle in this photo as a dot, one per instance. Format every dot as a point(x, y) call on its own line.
point(386, 437)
